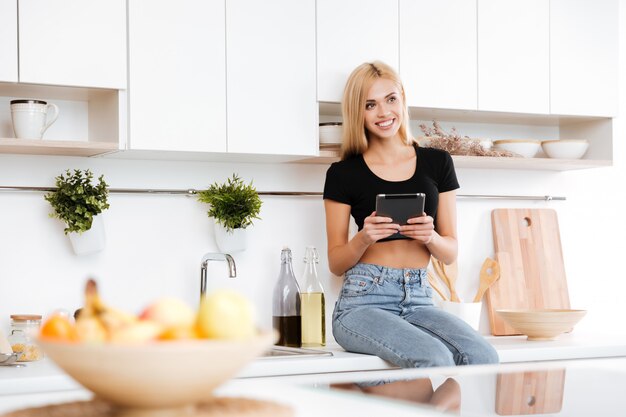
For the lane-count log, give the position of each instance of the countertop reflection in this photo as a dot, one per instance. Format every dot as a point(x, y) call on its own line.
point(563, 388)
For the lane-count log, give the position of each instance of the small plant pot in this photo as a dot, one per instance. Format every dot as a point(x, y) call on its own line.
point(90, 241)
point(235, 240)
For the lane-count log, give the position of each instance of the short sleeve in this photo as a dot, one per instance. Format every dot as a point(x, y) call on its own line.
point(334, 188)
point(447, 180)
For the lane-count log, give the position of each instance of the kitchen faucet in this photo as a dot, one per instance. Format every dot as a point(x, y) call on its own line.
point(232, 270)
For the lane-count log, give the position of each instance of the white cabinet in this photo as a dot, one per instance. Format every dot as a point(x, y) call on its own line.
point(349, 33)
point(73, 42)
point(438, 53)
point(8, 41)
point(583, 57)
point(177, 75)
point(514, 56)
point(271, 86)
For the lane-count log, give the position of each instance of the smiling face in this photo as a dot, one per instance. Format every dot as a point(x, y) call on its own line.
point(383, 109)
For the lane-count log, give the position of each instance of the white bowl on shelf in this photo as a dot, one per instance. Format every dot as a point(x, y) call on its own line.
point(523, 147)
point(565, 148)
point(330, 133)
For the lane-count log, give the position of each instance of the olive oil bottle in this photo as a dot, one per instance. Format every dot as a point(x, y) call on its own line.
point(313, 302)
point(287, 317)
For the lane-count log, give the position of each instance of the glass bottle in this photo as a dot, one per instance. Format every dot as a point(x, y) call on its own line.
point(313, 302)
point(24, 331)
point(287, 319)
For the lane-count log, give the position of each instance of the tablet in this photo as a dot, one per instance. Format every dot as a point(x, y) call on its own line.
point(400, 207)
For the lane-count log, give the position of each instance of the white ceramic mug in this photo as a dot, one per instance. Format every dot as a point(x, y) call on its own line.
point(31, 118)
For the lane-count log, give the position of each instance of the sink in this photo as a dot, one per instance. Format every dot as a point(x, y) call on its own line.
point(283, 352)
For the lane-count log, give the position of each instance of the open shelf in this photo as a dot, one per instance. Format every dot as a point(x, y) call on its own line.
point(55, 147)
point(328, 156)
point(91, 122)
point(484, 125)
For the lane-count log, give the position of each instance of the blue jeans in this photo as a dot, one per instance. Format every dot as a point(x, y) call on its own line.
point(389, 312)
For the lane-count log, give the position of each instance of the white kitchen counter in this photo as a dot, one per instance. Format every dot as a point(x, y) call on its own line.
point(593, 387)
point(44, 376)
point(510, 349)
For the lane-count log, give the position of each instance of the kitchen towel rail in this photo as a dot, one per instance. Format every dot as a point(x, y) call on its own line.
point(191, 191)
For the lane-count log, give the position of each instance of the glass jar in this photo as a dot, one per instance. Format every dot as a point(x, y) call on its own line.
point(24, 331)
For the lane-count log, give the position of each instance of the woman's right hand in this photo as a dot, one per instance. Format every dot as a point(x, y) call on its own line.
point(378, 227)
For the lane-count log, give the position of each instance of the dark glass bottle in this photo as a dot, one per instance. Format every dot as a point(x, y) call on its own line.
point(287, 318)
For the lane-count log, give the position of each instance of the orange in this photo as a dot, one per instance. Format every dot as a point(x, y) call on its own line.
point(178, 333)
point(58, 327)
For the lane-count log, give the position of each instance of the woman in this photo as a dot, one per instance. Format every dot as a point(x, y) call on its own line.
point(385, 307)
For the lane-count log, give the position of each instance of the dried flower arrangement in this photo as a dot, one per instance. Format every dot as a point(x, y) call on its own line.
point(455, 144)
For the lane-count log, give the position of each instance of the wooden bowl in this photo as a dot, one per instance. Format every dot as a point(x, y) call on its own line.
point(163, 374)
point(541, 324)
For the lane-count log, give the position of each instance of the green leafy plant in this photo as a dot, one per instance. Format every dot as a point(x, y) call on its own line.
point(76, 200)
point(233, 204)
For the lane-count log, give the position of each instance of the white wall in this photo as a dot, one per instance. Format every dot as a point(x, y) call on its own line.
point(155, 243)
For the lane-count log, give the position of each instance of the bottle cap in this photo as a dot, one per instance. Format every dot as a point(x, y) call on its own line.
point(25, 317)
point(310, 254)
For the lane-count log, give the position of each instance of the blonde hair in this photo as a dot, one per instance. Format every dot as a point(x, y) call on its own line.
point(355, 136)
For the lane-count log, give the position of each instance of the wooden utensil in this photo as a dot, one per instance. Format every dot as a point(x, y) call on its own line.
point(438, 269)
point(451, 272)
point(489, 273)
point(446, 272)
point(532, 273)
point(433, 283)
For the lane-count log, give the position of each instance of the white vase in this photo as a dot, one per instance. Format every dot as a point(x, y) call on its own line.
point(90, 241)
point(235, 240)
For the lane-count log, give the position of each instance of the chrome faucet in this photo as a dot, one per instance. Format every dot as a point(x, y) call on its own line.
point(232, 270)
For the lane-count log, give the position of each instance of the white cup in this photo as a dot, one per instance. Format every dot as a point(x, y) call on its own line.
point(31, 117)
point(468, 312)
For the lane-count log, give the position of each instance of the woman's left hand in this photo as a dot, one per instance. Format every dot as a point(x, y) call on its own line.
point(420, 228)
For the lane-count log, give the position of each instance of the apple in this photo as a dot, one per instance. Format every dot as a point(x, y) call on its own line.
point(171, 313)
point(138, 332)
point(225, 314)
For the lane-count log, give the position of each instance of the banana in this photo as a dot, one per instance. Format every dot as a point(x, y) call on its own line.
point(96, 317)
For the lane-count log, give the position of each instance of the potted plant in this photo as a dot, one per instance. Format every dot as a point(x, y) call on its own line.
point(78, 203)
point(234, 205)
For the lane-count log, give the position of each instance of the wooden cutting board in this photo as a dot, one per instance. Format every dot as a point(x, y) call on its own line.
point(523, 393)
point(532, 274)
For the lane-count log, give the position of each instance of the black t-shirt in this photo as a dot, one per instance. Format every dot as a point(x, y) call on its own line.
point(352, 182)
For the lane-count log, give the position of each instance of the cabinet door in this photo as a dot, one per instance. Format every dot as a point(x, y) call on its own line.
point(438, 53)
point(73, 42)
point(177, 75)
point(514, 56)
point(349, 33)
point(8, 41)
point(583, 57)
point(272, 107)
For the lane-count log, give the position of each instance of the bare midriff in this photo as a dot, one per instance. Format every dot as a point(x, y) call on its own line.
point(403, 253)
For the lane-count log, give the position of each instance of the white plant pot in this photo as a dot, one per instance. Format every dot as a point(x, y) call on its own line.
point(90, 241)
point(230, 241)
